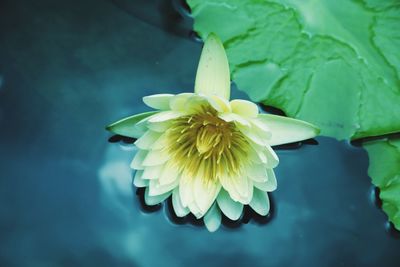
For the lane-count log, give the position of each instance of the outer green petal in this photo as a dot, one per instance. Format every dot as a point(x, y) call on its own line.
point(260, 202)
point(230, 208)
point(212, 219)
point(287, 130)
point(213, 77)
point(127, 126)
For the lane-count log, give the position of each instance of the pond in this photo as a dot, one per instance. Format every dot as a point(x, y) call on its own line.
point(69, 68)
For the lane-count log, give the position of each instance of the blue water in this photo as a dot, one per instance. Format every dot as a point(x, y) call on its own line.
point(67, 69)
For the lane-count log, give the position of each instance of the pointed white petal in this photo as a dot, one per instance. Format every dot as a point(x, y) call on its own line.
point(165, 116)
point(154, 200)
point(147, 140)
point(265, 154)
point(256, 157)
point(138, 181)
point(212, 219)
point(287, 130)
point(241, 185)
point(196, 103)
point(272, 184)
point(272, 158)
point(161, 142)
point(257, 172)
point(228, 184)
point(186, 189)
point(260, 202)
point(128, 126)
point(253, 135)
point(156, 157)
point(180, 211)
point(205, 193)
point(220, 104)
point(137, 162)
point(213, 77)
point(178, 102)
point(232, 209)
point(195, 210)
point(244, 108)
point(260, 124)
point(169, 174)
point(228, 117)
point(152, 172)
point(269, 185)
point(155, 188)
point(159, 101)
point(159, 127)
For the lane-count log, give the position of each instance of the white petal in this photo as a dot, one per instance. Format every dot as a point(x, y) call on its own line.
point(260, 124)
point(244, 108)
point(196, 103)
point(287, 130)
point(271, 180)
point(241, 185)
point(269, 185)
point(180, 211)
point(195, 210)
point(257, 172)
point(212, 219)
point(228, 185)
point(253, 135)
point(257, 157)
point(178, 102)
point(228, 117)
point(205, 193)
point(250, 189)
point(213, 77)
point(159, 101)
point(165, 116)
point(260, 202)
point(266, 155)
point(154, 200)
point(272, 158)
point(186, 189)
point(161, 142)
point(232, 209)
point(169, 174)
point(156, 157)
point(152, 172)
point(159, 127)
point(137, 162)
point(147, 140)
point(138, 181)
point(155, 188)
point(220, 104)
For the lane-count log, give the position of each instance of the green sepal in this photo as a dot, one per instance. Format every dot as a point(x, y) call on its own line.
point(128, 126)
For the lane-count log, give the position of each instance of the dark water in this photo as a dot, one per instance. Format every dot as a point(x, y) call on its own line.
point(68, 68)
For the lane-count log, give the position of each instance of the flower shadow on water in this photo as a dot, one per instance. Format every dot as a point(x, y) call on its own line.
point(248, 214)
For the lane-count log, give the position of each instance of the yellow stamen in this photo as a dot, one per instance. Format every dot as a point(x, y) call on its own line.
point(205, 140)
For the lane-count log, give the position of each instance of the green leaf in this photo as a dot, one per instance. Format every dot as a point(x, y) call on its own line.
point(335, 64)
point(128, 126)
point(384, 169)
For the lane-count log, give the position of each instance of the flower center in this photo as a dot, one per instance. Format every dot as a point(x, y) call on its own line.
point(204, 141)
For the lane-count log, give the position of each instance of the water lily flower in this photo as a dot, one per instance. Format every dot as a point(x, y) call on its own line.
point(209, 153)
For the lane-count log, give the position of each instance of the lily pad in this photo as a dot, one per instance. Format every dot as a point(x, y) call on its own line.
point(332, 63)
point(384, 169)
